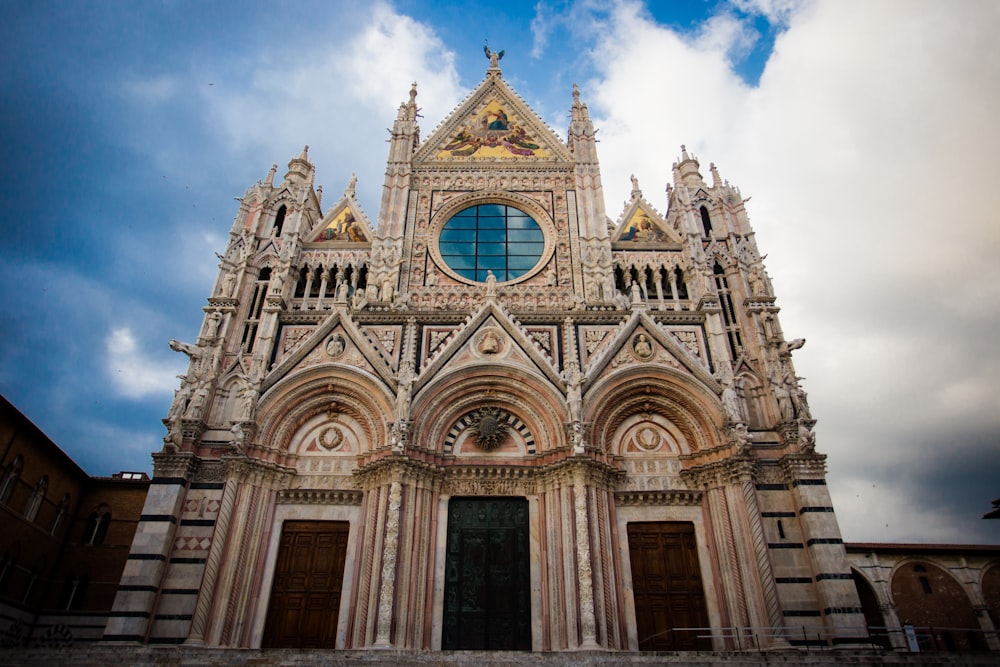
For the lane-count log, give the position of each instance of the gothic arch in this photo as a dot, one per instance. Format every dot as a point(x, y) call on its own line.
point(927, 596)
point(759, 413)
point(989, 584)
point(691, 409)
point(529, 398)
point(294, 401)
point(871, 606)
point(718, 256)
point(227, 398)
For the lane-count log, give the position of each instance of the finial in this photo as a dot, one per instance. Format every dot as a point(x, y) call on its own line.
point(270, 175)
point(305, 153)
point(576, 94)
point(413, 93)
point(349, 191)
point(716, 179)
point(319, 196)
point(684, 152)
point(636, 192)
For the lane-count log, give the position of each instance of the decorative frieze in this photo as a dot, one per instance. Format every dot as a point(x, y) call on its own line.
point(319, 497)
point(667, 498)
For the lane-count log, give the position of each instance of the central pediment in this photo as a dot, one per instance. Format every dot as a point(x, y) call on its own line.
point(493, 125)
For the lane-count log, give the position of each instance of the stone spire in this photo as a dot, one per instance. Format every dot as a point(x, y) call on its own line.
point(300, 169)
point(686, 171)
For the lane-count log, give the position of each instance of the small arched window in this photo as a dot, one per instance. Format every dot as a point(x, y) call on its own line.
point(61, 512)
point(37, 496)
point(706, 221)
point(74, 591)
point(10, 478)
point(7, 564)
point(279, 220)
point(97, 526)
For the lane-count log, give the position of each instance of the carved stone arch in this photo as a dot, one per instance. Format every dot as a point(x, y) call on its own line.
point(227, 396)
point(872, 603)
point(530, 399)
point(292, 402)
point(719, 256)
point(927, 594)
point(694, 411)
point(759, 409)
point(266, 261)
point(989, 586)
point(275, 219)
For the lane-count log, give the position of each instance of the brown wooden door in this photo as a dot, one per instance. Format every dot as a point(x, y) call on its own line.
point(308, 579)
point(487, 591)
point(666, 582)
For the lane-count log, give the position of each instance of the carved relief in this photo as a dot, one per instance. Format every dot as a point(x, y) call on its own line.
point(689, 340)
point(490, 342)
point(335, 346)
point(642, 347)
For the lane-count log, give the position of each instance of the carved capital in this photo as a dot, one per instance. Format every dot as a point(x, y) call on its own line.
point(180, 464)
point(734, 470)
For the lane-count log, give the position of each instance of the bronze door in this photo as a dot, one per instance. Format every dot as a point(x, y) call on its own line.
point(308, 580)
point(487, 597)
point(666, 581)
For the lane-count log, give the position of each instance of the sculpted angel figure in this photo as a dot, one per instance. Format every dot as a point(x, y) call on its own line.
point(493, 56)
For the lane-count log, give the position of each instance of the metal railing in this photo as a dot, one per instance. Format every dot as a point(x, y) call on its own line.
point(878, 638)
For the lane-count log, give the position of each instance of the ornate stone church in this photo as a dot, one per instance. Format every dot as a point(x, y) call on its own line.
point(492, 417)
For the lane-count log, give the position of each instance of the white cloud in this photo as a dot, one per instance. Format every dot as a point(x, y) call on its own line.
point(777, 12)
point(132, 373)
point(336, 98)
point(868, 149)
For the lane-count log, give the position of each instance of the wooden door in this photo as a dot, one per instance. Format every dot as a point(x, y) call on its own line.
point(487, 596)
point(308, 580)
point(666, 582)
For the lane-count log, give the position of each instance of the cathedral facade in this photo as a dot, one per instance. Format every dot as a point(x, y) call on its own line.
point(492, 418)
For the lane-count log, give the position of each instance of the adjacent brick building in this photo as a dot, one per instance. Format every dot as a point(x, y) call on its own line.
point(64, 537)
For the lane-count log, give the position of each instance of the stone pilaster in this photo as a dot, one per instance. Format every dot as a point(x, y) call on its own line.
point(585, 574)
point(200, 618)
point(139, 589)
point(390, 545)
point(837, 596)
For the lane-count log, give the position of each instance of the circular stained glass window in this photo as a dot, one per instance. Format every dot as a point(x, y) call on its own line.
point(491, 237)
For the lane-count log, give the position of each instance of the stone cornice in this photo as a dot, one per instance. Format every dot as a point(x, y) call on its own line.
point(319, 497)
point(671, 498)
point(479, 479)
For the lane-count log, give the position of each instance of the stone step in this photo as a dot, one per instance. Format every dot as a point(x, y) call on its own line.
point(180, 656)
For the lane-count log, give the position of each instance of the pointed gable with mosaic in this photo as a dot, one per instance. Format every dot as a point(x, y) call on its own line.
point(493, 123)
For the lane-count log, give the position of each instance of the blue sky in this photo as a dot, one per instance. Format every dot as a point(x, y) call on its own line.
point(864, 133)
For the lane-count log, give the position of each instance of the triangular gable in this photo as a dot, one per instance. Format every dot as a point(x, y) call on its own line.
point(388, 340)
point(640, 225)
point(593, 339)
point(344, 223)
point(493, 123)
point(642, 340)
point(492, 331)
point(336, 340)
